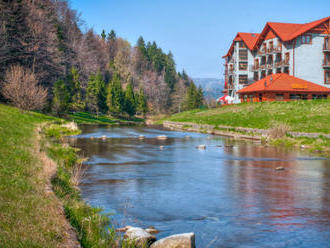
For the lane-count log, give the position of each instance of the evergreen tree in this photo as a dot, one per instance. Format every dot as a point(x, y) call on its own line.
point(61, 97)
point(130, 102)
point(200, 97)
point(170, 73)
point(115, 96)
point(142, 107)
point(77, 103)
point(95, 94)
point(194, 97)
point(103, 35)
point(112, 35)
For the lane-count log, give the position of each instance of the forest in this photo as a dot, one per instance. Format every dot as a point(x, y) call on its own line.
point(47, 62)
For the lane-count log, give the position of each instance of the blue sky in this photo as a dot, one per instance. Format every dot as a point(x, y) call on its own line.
point(198, 32)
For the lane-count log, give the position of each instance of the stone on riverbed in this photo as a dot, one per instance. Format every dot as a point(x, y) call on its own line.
point(185, 240)
point(162, 137)
point(139, 236)
point(201, 147)
point(280, 168)
point(141, 137)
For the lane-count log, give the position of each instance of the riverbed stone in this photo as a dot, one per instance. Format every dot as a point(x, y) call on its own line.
point(139, 236)
point(184, 240)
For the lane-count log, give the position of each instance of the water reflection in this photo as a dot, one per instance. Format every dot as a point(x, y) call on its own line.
point(230, 194)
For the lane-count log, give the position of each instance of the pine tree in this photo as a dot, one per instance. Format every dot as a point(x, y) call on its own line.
point(61, 97)
point(115, 96)
point(77, 103)
point(194, 97)
point(112, 35)
point(103, 35)
point(95, 94)
point(130, 102)
point(142, 107)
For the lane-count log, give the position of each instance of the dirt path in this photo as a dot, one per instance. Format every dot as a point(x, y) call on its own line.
point(69, 235)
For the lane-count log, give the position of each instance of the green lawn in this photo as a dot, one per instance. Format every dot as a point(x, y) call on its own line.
point(301, 116)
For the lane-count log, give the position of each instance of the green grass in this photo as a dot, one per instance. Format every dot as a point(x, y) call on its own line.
point(300, 116)
point(29, 216)
point(87, 118)
point(23, 205)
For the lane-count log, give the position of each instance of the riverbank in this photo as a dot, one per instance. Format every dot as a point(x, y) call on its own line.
point(39, 178)
point(88, 118)
point(304, 124)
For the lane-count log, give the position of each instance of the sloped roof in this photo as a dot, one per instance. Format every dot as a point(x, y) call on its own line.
point(284, 83)
point(248, 38)
point(288, 31)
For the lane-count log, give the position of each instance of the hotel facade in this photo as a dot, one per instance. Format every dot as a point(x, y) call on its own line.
point(299, 50)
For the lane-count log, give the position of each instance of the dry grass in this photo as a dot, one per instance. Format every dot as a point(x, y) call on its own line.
point(279, 131)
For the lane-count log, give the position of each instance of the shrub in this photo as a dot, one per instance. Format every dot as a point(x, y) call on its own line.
point(21, 88)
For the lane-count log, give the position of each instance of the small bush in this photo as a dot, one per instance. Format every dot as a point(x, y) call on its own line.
point(278, 131)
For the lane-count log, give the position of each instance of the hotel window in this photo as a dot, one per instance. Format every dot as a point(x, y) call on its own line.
point(279, 97)
point(286, 70)
point(278, 70)
point(241, 44)
point(242, 79)
point(326, 43)
point(243, 54)
point(255, 76)
point(270, 72)
point(287, 58)
point(263, 60)
point(306, 39)
point(243, 66)
point(271, 45)
point(319, 96)
point(327, 77)
point(263, 74)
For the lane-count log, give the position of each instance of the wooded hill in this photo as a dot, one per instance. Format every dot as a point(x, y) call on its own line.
point(82, 71)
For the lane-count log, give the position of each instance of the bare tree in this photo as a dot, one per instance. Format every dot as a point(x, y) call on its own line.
point(21, 88)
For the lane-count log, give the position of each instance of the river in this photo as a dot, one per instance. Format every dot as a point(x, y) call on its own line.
point(229, 194)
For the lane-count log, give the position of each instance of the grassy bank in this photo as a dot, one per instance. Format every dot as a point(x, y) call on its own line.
point(87, 118)
point(23, 201)
point(30, 213)
point(296, 116)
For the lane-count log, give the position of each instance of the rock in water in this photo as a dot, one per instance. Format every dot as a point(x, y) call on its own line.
point(279, 168)
point(162, 137)
point(185, 240)
point(201, 147)
point(151, 230)
point(140, 237)
point(141, 137)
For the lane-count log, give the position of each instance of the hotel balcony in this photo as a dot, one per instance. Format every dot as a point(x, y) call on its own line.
point(326, 47)
point(262, 51)
point(269, 66)
point(326, 64)
point(278, 49)
point(270, 50)
point(254, 67)
point(262, 67)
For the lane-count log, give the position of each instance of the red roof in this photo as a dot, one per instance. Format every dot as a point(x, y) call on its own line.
point(288, 31)
point(284, 83)
point(248, 38)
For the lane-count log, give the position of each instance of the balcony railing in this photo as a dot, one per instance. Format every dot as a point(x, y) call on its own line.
point(285, 63)
point(262, 67)
point(326, 64)
point(326, 46)
point(269, 66)
point(278, 49)
point(270, 50)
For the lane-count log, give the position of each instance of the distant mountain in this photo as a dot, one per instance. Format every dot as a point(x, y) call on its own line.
point(212, 87)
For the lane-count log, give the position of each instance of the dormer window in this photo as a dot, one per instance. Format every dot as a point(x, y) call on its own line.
point(306, 39)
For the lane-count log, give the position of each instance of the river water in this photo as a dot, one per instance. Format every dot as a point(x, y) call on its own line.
point(229, 194)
